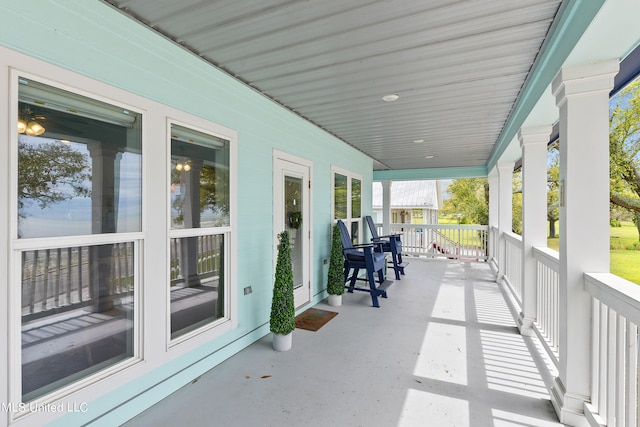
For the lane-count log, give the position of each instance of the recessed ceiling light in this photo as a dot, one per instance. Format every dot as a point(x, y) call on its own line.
point(390, 98)
point(429, 157)
point(418, 141)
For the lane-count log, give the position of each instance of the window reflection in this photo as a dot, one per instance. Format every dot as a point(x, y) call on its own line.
point(197, 282)
point(356, 198)
point(340, 196)
point(81, 173)
point(77, 313)
point(199, 179)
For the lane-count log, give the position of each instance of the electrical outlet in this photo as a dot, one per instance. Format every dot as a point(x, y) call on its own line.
point(247, 290)
point(325, 261)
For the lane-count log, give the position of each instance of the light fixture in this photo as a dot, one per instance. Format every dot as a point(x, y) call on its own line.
point(390, 98)
point(28, 125)
point(418, 141)
point(429, 157)
point(186, 166)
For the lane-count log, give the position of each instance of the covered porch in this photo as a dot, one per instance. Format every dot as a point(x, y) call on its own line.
point(442, 350)
point(498, 330)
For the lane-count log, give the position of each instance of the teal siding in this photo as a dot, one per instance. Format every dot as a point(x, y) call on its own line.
point(90, 38)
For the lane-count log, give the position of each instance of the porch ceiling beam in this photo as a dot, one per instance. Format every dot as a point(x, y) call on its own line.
point(430, 173)
point(575, 17)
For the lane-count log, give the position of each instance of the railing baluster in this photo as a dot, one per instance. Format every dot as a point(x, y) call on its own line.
point(32, 287)
point(69, 265)
point(80, 268)
point(113, 264)
point(619, 378)
point(56, 298)
point(45, 279)
point(126, 266)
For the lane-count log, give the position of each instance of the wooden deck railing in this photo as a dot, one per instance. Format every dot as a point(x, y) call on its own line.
point(615, 358)
point(513, 263)
point(58, 280)
point(442, 241)
point(547, 291)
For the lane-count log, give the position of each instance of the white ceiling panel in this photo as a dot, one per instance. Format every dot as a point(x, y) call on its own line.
point(458, 66)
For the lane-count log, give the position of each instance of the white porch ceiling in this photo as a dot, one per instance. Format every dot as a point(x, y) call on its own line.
point(457, 66)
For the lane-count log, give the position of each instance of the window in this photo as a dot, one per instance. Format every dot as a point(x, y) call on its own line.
point(200, 221)
point(347, 201)
point(78, 177)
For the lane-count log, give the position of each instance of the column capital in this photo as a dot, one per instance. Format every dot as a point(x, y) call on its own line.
point(586, 78)
point(505, 167)
point(534, 135)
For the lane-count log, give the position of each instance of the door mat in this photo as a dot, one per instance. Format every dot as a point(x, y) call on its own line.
point(313, 319)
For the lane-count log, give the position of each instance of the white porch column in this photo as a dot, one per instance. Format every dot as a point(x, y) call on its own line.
point(505, 211)
point(386, 207)
point(493, 213)
point(533, 142)
point(582, 95)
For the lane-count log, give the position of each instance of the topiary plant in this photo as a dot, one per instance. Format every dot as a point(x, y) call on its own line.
point(282, 319)
point(335, 277)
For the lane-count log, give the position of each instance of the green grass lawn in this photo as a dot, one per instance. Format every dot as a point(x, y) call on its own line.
point(624, 245)
point(625, 251)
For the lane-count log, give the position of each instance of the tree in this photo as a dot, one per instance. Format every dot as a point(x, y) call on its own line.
point(469, 198)
point(50, 173)
point(624, 150)
point(516, 202)
point(553, 195)
point(213, 193)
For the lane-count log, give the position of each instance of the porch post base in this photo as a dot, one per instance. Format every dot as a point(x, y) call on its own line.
point(525, 325)
point(569, 408)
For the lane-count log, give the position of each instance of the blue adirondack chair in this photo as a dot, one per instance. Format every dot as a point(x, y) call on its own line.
point(390, 243)
point(357, 257)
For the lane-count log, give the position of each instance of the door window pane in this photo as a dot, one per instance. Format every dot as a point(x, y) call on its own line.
point(77, 313)
point(199, 179)
point(340, 196)
point(197, 282)
point(293, 214)
point(79, 164)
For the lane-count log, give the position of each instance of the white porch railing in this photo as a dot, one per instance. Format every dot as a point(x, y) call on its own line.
point(616, 316)
point(547, 278)
point(513, 264)
point(442, 241)
point(615, 355)
point(494, 242)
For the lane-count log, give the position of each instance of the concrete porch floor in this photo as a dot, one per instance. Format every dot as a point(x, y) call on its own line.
point(442, 350)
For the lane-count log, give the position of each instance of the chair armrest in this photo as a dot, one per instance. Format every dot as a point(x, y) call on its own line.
point(389, 235)
point(365, 245)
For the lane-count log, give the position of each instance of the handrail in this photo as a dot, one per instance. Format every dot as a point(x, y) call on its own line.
point(615, 359)
point(547, 256)
point(453, 241)
point(617, 293)
point(513, 237)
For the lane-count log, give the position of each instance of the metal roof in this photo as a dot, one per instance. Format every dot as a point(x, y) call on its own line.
point(408, 194)
point(457, 66)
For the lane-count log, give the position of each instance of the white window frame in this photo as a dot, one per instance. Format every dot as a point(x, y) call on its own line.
point(151, 244)
point(17, 246)
point(349, 220)
point(229, 320)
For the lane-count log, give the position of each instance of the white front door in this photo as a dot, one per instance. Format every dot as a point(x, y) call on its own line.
point(292, 213)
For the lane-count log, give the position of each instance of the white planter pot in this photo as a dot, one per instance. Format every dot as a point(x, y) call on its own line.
point(335, 300)
point(282, 342)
